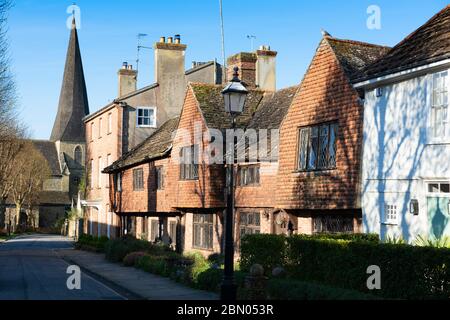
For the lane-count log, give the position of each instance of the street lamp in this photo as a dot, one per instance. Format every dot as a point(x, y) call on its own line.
point(234, 95)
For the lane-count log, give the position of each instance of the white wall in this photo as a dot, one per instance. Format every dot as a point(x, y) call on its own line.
point(399, 157)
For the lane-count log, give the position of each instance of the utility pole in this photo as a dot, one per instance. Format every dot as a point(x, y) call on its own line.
point(223, 41)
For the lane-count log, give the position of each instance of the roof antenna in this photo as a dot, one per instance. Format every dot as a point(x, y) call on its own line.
point(222, 29)
point(140, 36)
point(252, 39)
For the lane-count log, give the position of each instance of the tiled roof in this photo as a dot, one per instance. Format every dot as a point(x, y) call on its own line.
point(273, 108)
point(430, 43)
point(355, 56)
point(54, 197)
point(156, 146)
point(48, 150)
point(211, 103)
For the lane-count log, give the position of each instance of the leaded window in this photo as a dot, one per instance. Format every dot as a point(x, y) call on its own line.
point(439, 105)
point(203, 231)
point(317, 147)
point(138, 179)
point(249, 223)
point(189, 163)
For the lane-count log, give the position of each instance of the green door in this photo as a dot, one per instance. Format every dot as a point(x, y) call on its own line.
point(439, 217)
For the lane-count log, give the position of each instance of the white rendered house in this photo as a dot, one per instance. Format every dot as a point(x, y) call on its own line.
point(406, 146)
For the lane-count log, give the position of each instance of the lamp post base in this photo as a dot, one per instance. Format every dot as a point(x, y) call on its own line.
point(228, 292)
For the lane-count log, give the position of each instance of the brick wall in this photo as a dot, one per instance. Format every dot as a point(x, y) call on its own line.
point(325, 95)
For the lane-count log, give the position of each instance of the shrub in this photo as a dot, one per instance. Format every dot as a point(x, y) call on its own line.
point(152, 264)
point(407, 272)
point(199, 265)
point(265, 249)
point(116, 250)
point(288, 289)
point(90, 243)
point(130, 259)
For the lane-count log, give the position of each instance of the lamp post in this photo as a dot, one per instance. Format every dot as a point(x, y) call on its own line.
point(234, 95)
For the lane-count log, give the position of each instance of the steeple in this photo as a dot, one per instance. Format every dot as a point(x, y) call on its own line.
point(73, 101)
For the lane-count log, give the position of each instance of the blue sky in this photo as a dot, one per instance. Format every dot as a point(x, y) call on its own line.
point(39, 38)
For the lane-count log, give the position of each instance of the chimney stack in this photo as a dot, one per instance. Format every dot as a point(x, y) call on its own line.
point(266, 69)
point(170, 73)
point(246, 62)
point(127, 79)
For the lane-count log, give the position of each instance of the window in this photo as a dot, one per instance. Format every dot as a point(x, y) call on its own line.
point(390, 214)
point(437, 187)
point(78, 155)
point(332, 224)
point(203, 231)
point(146, 117)
point(92, 131)
point(250, 223)
point(317, 147)
point(109, 123)
point(100, 127)
point(248, 176)
point(154, 235)
point(439, 106)
point(159, 176)
point(189, 163)
point(138, 179)
point(100, 174)
point(92, 173)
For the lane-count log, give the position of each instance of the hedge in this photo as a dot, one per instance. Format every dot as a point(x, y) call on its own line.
point(88, 242)
point(289, 289)
point(407, 272)
point(116, 250)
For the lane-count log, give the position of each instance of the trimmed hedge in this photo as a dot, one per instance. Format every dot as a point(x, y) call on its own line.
point(407, 272)
point(289, 289)
point(266, 249)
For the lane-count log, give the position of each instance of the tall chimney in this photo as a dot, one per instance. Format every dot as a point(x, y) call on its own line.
point(127, 79)
point(170, 74)
point(266, 69)
point(246, 62)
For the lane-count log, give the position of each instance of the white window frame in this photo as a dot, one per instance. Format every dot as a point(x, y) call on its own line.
point(445, 138)
point(387, 220)
point(154, 117)
point(436, 194)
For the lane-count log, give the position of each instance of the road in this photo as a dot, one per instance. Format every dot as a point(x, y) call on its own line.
point(31, 270)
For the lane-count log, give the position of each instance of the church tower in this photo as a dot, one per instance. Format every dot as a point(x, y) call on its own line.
point(68, 132)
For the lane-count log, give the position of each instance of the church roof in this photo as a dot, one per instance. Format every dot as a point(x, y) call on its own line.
point(73, 101)
point(48, 150)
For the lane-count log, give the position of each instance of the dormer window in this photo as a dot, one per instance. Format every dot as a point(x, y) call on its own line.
point(146, 117)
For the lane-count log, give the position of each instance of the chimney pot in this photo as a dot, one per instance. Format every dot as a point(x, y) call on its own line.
point(169, 40)
point(125, 65)
point(162, 39)
point(177, 39)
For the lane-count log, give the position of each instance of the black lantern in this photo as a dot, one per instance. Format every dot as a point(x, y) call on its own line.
point(235, 95)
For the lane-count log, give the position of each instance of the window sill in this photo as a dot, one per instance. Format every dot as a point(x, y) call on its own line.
point(202, 249)
point(389, 223)
point(437, 142)
point(147, 127)
point(315, 171)
point(188, 180)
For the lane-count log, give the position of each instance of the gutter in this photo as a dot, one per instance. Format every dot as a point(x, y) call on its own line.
point(402, 75)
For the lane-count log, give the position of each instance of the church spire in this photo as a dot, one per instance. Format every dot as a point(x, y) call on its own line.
point(73, 101)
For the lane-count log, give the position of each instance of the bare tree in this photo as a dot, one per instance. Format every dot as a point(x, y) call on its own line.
point(8, 110)
point(29, 173)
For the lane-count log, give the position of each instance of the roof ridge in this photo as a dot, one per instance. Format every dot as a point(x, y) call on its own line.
point(358, 42)
point(409, 36)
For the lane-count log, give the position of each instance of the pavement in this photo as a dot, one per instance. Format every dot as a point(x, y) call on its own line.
point(30, 269)
point(141, 284)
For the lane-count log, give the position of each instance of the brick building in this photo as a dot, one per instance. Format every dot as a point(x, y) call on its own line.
point(117, 128)
point(318, 185)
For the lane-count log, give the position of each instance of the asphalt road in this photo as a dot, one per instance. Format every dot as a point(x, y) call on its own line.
point(31, 270)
